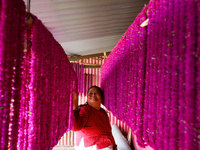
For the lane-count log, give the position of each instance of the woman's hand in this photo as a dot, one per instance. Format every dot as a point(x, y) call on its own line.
point(75, 100)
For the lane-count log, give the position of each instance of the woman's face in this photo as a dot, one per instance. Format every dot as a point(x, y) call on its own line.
point(94, 98)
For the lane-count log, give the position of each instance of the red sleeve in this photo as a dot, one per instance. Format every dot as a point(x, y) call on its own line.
point(80, 117)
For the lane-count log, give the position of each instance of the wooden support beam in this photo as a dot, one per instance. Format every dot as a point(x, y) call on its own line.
point(74, 58)
point(88, 64)
point(92, 66)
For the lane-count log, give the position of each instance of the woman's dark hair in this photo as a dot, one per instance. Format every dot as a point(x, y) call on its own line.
point(102, 94)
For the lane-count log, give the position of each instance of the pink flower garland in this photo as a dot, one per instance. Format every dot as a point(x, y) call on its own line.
point(160, 73)
point(167, 106)
point(133, 89)
point(161, 77)
point(147, 79)
point(110, 93)
point(174, 124)
point(85, 85)
point(168, 71)
point(17, 76)
point(11, 43)
point(127, 75)
point(112, 79)
point(88, 81)
point(198, 76)
point(156, 58)
point(50, 86)
point(82, 77)
point(191, 140)
point(79, 69)
point(182, 51)
point(120, 92)
point(150, 75)
point(141, 76)
point(23, 117)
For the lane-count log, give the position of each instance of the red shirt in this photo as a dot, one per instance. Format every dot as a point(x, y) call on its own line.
point(93, 126)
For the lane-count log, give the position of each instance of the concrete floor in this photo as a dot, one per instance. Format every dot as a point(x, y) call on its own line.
point(63, 148)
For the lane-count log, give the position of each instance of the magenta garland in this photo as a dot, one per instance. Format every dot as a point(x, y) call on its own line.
point(198, 73)
point(161, 27)
point(151, 41)
point(141, 50)
point(85, 80)
point(174, 124)
point(191, 124)
point(36, 83)
point(52, 80)
point(181, 90)
point(146, 122)
point(11, 52)
point(79, 69)
point(156, 73)
point(168, 71)
point(151, 78)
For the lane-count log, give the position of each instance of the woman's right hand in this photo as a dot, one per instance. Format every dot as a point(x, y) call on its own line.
point(75, 99)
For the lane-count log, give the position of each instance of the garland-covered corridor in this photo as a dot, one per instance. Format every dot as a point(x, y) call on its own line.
point(150, 79)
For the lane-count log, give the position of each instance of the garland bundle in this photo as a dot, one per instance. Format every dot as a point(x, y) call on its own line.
point(152, 76)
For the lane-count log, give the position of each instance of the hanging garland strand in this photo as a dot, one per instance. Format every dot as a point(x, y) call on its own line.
point(11, 52)
point(175, 80)
point(198, 77)
point(191, 140)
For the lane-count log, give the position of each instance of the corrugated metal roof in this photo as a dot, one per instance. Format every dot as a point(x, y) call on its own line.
point(85, 27)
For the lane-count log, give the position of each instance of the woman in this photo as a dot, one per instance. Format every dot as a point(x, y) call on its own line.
point(92, 123)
